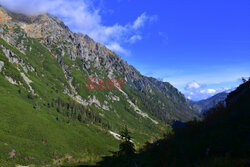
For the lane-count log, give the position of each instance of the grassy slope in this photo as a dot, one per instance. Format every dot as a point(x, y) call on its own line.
point(23, 128)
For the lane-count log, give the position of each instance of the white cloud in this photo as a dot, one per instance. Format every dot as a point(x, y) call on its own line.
point(141, 20)
point(211, 91)
point(197, 91)
point(135, 38)
point(208, 91)
point(193, 85)
point(118, 48)
point(82, 16)
point(202, 91)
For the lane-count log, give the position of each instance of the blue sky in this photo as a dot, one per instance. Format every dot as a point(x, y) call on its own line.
point(201, 47)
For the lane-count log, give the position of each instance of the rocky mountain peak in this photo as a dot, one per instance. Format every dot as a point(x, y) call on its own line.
point(91, 58)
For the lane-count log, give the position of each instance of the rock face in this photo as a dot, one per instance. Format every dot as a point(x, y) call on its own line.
point(145, 95)
point(1, 65)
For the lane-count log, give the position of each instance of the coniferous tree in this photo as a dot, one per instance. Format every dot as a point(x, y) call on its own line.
point(79, 117)
point(127, 146)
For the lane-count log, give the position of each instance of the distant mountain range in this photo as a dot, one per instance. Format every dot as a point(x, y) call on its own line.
point(206, 104)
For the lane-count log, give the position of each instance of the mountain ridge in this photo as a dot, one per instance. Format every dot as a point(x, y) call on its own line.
point(44, 67)
point(81, 46)
point(203, 105)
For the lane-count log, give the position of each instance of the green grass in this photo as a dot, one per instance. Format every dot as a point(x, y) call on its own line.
point(41, 135)
point(24, 128)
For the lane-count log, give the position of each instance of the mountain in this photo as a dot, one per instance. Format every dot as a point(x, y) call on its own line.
point(222, 138)
point(206, 104)
point(49, 114)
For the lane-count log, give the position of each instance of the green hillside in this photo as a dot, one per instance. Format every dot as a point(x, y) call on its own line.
point(47, 114)
point(68, 129)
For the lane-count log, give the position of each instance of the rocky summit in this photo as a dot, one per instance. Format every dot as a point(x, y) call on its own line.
point(49, 116)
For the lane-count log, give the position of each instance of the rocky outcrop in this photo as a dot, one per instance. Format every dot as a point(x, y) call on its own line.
point(12, 81)
point(1, 65)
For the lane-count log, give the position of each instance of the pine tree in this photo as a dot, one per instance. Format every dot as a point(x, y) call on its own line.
point(79, 117)
point(127, 146)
